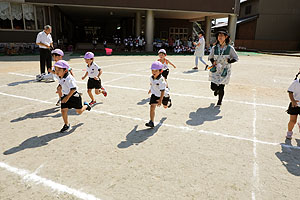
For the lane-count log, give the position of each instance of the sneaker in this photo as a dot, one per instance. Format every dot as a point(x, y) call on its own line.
point(65, 128)
point(88, 106)
point(92, 103)
point(289, 135)
point(104, 92)
point(195, 67)
point(169, 103)
point(206, 67)
point(219, 103)
point(58, 103)
point(150, 124)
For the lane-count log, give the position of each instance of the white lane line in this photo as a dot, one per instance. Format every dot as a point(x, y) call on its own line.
point(183, 95)
point(19, 74)
point(116, 79)
point(186, 128)
point(255, 180)
point(38, 180)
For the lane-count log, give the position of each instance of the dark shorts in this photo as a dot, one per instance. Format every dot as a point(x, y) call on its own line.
point(165, 73)
point(92, 83)
point(74, 102)
point(154, 100)
point(293, 110)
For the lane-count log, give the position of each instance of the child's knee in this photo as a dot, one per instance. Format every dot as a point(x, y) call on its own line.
point(97, 91)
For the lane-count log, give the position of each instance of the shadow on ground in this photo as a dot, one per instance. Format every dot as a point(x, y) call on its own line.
point(204, 114)
point(44, 113)
point(290, 156)
point(21, 82)
point(144, 101)
point(40, 141)
point(191, 71)
point(136, 137)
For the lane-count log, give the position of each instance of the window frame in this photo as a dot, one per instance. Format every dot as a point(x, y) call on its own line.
point(24, 23)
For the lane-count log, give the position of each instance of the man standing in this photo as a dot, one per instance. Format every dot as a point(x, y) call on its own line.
point(44, 40)
point(199, 51)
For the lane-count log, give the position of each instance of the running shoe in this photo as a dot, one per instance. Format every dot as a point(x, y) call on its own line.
point(104, 92)
point(289, 135)
point(150, 124)
point(92, 103)
point(65, 128)
point(88, 106)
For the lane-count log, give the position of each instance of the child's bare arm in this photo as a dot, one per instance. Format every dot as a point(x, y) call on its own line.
point(68, 96)
point(294, 102)
point(86, 73)
point(162, 94)
point(99, 74)
point(71, 72)
point(171, 64)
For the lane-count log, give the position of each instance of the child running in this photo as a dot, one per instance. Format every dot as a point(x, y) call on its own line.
point(159, 91)
point(94, 72)
point(294, 107)
point(221, 56)
point(70, 98)
point(162, 58)
point(57, 55)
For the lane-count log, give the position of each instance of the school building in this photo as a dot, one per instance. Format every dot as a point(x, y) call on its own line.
point(269, 25)
point(77, 22)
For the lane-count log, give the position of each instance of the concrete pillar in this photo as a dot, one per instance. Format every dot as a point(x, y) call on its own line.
point(207, 31)
point(138, 23)
point(149, 30)
point(232, 19)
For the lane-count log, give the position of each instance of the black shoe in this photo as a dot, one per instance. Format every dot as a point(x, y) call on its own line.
point(88, 108)
point(206, 67)
point(65, 128)
point(150, 124)
point(219, 103)
point(170, 103)
point(216, 92)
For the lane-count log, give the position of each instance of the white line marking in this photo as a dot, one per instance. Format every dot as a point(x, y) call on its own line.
point(167, 125)
point(255, 165)
point(185, 95)
point(116, 79)
point(32, 177)
point(18, 74)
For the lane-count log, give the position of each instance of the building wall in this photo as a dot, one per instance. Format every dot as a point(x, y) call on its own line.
point(246, 31)
point(166, 24)
point(278, 20)
point(254, 8)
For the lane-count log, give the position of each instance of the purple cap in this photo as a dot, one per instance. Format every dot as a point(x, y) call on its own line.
point(62, 64)
point(88, 55)
point(162, 51)
point(58, 51)
point(156, 65)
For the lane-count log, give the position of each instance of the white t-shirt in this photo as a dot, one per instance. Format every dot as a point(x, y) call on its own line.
point(157, 85)
point(42, 37)
point(67, 83)
point(295, 89)
point(93, 70)
point(199, 51)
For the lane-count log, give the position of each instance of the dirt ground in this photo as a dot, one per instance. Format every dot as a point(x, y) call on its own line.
point(196, 151)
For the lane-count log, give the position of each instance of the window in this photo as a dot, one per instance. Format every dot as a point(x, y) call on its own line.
point(5, 16)
point(178, 33)
point(40, 13)
point(16, 16)
point(248, 10)
point(28, 13)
